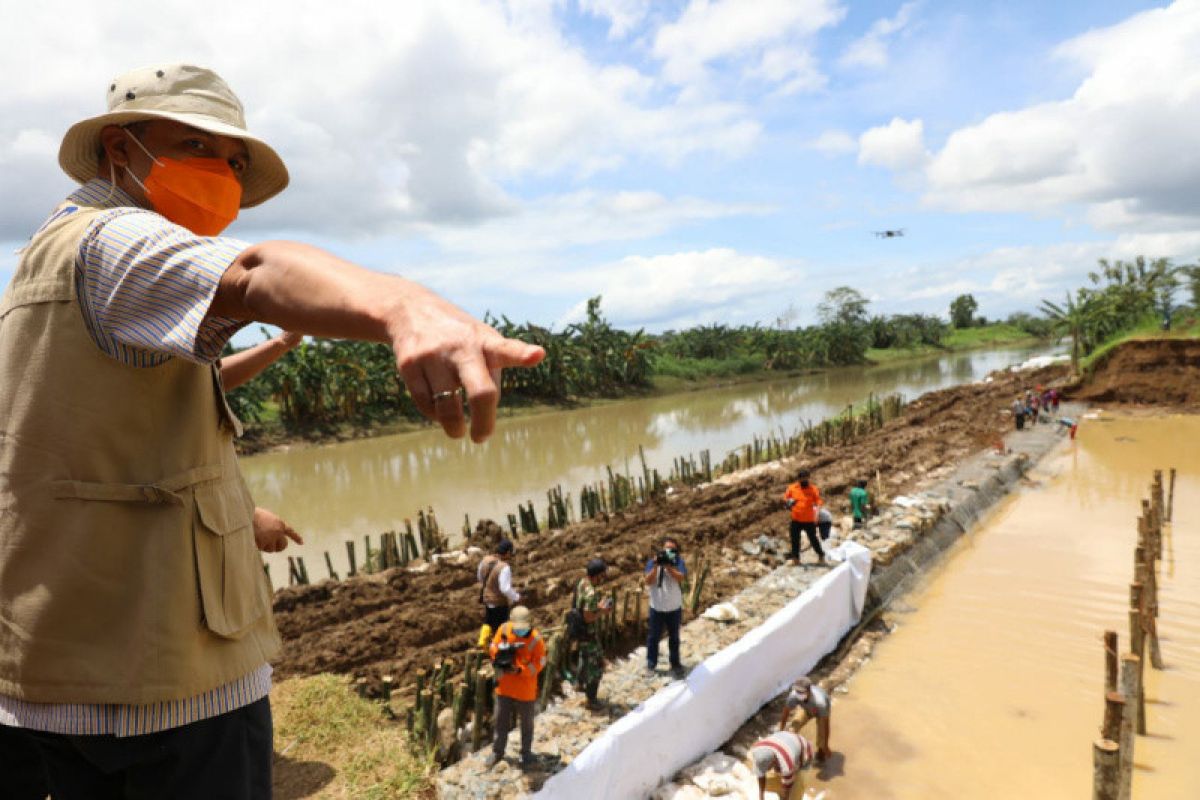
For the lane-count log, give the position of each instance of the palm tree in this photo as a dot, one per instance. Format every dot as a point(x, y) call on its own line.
point(1072, 318)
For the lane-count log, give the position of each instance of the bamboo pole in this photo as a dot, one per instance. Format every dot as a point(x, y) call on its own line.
point(480, 709)
point(1130, 688)
point(329, 566)
point(1106, 770)
point(1137, 645)
point(1110, 661)
point(350, 558)
point(1171, 496)
point(1114, 710)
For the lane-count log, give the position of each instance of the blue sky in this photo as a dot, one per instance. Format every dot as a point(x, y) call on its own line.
point(693, 161)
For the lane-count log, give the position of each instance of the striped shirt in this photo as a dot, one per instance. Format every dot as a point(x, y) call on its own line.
point(144, 286)
point(784, 750)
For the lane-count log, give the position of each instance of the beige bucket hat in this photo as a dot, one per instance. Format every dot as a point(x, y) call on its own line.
point(184, 93)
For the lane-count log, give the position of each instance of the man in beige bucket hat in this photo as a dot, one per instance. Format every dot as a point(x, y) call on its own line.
point(135, 618)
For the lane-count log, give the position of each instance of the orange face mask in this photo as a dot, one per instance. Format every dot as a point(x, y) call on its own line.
point(201, 194)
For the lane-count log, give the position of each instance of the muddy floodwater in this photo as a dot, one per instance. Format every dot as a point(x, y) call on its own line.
point(992, 685)
point(364, 487)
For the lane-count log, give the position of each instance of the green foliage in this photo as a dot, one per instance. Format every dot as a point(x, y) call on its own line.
point(906, 330)
point(962, 311)
point(1122, 296)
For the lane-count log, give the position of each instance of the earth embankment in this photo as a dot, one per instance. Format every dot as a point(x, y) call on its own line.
point(1146, 372)
point(394, 622)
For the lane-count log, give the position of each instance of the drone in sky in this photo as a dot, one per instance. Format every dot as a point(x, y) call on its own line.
point(889, 234)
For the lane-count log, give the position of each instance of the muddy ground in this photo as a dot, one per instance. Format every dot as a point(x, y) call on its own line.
point(1147, 372)
point(394, 622)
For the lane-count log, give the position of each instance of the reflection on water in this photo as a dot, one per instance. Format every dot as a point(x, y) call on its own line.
point(364, 487)
point(992, 686)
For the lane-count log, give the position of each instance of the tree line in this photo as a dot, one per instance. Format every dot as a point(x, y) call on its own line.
point(326, 382)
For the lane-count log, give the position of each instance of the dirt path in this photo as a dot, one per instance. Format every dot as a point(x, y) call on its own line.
point(394, 622)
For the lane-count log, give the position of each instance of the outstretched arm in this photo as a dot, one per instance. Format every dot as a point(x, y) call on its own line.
point(245, 365)
point(439, 347)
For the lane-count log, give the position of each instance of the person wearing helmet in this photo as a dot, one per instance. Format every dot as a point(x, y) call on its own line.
point(519, 655)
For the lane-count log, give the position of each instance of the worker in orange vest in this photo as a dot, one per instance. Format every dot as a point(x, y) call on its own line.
point(518, 655)
point(803, 499)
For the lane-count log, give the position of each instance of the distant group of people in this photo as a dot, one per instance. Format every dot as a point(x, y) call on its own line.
point(1041, 404)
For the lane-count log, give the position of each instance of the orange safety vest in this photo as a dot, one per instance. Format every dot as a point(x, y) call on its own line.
point(522, 684)
point(807, 500)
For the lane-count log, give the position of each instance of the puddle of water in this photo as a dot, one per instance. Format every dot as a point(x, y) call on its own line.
point(993, 686)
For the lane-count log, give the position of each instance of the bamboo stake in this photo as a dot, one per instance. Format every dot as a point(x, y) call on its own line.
point(480, 709)
point(1137, 643)
point(1130, 688)
point(1110, 661)
point(1171, 497)
point(1114, 709)
point(1106, 770)
point(350, 558)
point(329, 566)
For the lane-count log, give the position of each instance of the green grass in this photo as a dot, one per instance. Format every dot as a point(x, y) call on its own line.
point(701, 369)
point(1187, 328)
point(985, 336)
point(957, 339)
point(320, 720)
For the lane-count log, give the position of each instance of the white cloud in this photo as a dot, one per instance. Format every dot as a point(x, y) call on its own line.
point(682, 289)
point(834, 143)
point(622, 15)
point(581, 218)
point(1121, 147)
point(387, 114)
point(744, 31)
point(871, 49)
point(899, 145)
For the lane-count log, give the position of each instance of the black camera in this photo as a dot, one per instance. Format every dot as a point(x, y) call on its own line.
point(506, 656)
point(664, 559)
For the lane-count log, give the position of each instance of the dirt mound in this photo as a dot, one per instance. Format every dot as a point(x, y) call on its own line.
point(1146, 372)
point(394, 622)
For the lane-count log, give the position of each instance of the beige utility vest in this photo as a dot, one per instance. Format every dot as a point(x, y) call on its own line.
point(492, 596)
point(128, 569)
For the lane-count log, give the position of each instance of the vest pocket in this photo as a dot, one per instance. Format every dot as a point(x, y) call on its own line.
point(228, 567)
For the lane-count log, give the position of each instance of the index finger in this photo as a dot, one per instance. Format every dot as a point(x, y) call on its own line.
point(291, 534)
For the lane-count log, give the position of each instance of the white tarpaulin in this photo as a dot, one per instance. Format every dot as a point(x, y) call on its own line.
point(691, 718)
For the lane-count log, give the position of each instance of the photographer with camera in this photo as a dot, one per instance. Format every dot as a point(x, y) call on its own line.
point(518, 655)
point(664, 575)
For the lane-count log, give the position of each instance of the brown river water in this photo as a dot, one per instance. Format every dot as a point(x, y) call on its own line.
point(364, 487)
point(992, 685)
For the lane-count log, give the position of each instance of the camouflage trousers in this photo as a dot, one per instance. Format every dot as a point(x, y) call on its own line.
point(586, 666)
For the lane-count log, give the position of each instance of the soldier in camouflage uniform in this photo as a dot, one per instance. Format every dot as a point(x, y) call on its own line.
point(589, 657)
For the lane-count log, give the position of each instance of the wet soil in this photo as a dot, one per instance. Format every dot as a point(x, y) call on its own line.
point(395, 622)
point(1146, 372)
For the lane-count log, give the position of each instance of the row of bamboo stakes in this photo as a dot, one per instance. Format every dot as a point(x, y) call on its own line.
point(396, 549)
point(1124, 673)
point(466, 683)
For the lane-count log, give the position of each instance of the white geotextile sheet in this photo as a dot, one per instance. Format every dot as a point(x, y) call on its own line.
point(688, 719)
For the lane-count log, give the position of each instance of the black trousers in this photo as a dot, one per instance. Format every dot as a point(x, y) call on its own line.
point(227, 757)
point(22, 771)
point(495, 616)
point(810, 530)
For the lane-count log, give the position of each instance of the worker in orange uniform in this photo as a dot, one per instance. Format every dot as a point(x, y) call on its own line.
point(518, 655)
point(803, 498)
